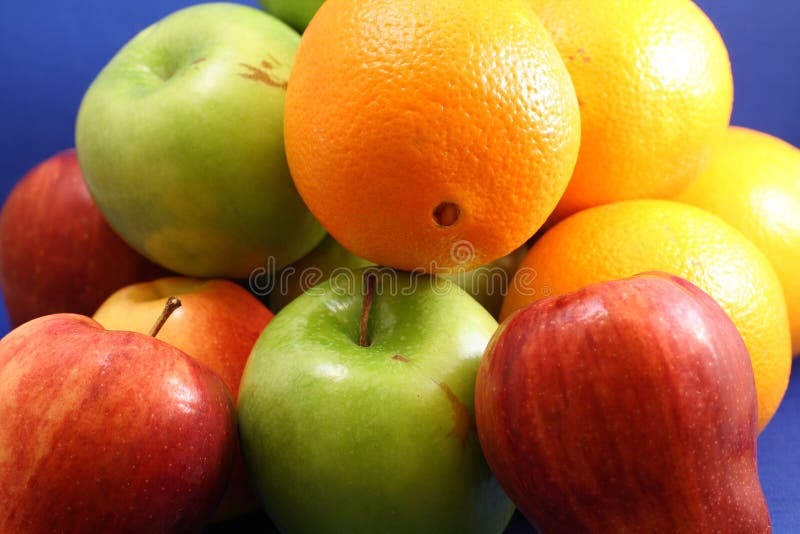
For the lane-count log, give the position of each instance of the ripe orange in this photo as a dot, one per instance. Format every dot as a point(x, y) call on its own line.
point(655, 89)
point(753, 183)
point(430, 135)
point(625, 238)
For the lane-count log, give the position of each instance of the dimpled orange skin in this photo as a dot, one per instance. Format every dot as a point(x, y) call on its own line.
point(395, 107)
point(622, 239)
point(753, 183)
point(654, 83)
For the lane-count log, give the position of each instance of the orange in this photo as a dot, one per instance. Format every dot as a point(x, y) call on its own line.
point(753, 183)
point(430, 135)
point(655, 89)
point(619, 240)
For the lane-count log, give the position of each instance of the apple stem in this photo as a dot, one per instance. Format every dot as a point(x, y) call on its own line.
point(172, 304)
point(369, 294)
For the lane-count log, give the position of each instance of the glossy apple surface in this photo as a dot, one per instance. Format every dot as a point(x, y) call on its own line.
point(626, 406)
point(218, 323)
point(57, 252)
point(108, 431)
point(181, 141)
point(341, 437)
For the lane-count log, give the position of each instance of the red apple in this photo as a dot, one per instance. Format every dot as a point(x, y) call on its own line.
point(57, 252)
point(108, 431)
point(626, 406)
point(218, 323)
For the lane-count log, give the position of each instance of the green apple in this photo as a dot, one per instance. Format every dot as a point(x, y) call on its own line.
point(180, 139)
point(356, 410)
point(328, 258)
point(487, 284)
point(298, 13)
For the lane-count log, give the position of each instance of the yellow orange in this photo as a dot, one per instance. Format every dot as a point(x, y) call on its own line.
point(753, 183)
point(430, 135)
point(655, 89)
point(622, 239)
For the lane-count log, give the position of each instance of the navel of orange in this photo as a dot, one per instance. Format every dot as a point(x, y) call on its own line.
point(430, 135)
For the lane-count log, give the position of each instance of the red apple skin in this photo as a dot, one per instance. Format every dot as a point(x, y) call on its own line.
point(108, 431)
point(57, 252)
point(218, 323)
point(626, 406)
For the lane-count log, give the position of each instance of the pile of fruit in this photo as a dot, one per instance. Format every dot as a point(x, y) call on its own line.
point(516, 255)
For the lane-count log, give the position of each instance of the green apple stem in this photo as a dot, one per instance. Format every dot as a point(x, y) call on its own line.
point(172, 304)
point(369, 294)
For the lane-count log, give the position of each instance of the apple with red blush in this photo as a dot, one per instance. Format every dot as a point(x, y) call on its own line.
point(108, 431)
point(625, 406)
point(218, 323)
point(57, 252)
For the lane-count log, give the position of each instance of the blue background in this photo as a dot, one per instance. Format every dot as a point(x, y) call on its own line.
point(51, 50)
